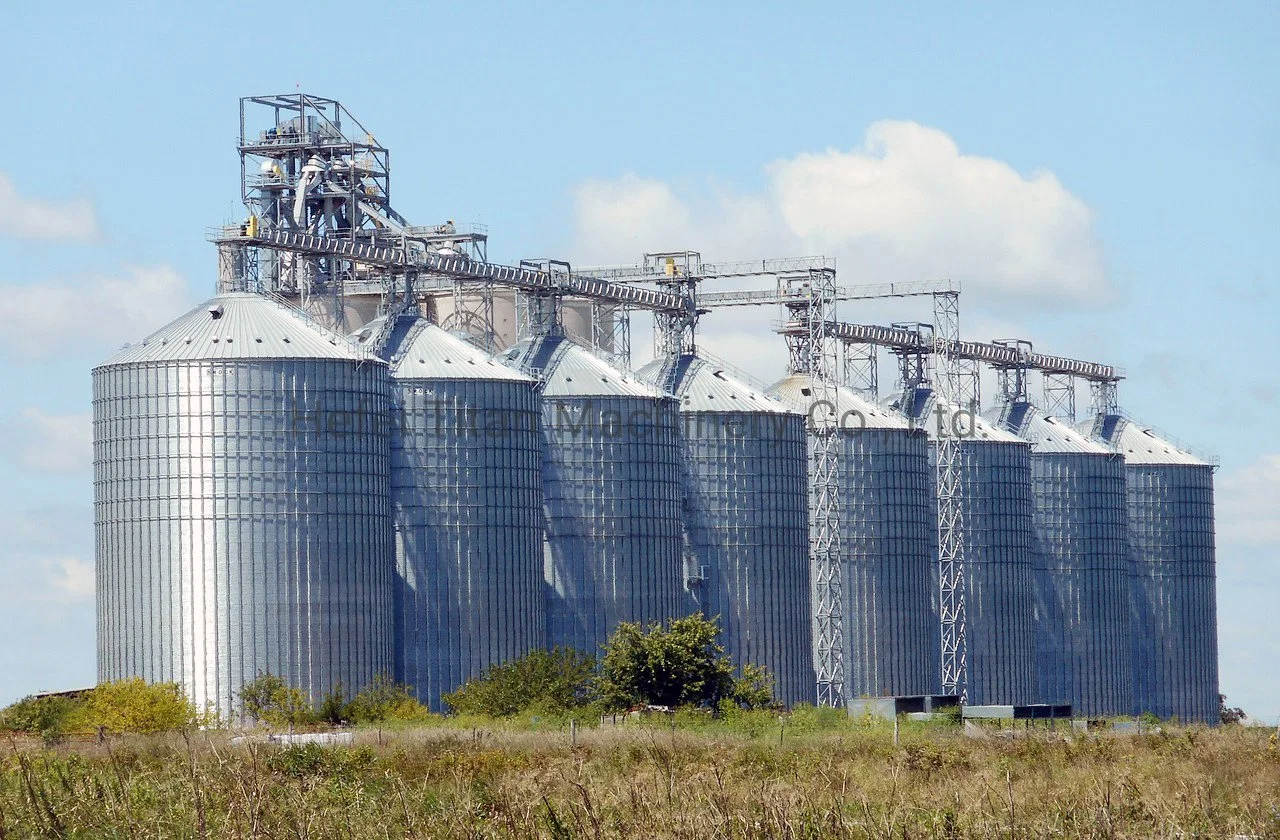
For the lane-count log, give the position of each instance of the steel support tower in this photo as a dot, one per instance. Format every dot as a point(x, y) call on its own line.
point(955, 387)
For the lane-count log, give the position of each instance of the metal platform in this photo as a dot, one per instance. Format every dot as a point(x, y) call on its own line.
point(890, 707)
point(1033, 711)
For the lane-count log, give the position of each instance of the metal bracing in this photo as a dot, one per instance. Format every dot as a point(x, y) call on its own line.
point(862, 369)
point(473, 312)
point(994, 354)
point(611, 332)
point(540, 312)
point(1013, 376)
point(950, 469)
point(237, 268)
point(1060, 396)
point(810, 305)
point(914, 362)
point(1103, 398)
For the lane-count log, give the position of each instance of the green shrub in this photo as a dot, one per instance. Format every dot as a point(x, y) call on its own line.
point(554, 681)
point(680, 664)
point(268, 699)
point(305, 760)
point(133, 705)
point(47, 716)
point(384, 699)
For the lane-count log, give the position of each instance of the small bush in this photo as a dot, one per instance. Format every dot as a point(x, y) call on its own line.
point(384, 699)
point(270, 700)
point(46, 716)
point(680, 664)
point(133, 705)
point(304, 760)
point(554, 681)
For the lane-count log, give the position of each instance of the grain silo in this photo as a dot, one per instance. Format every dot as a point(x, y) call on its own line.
point(1083, 629)
point(1170, 500)
point(999, 557)
point(241, 505)
point(887, 544)
point(466, 496)
point(744, 476)
point(611, 495)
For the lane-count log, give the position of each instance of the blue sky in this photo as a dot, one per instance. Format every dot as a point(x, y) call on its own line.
point(1130, 157)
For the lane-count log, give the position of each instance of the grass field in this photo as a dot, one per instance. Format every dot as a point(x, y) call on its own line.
point(651, 781)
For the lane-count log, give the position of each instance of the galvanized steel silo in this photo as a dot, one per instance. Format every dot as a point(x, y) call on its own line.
point(241, 505)
point(1083, 629)
point(466, 492)
point(887, 541)
point(611, 495)
point(1170, 499)
point(999, 555)
point(745, 473)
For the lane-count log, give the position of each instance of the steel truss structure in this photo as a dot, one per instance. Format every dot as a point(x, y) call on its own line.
point(955, 375)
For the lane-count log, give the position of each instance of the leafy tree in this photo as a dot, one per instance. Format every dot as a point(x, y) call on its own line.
point(270, 699)
point(133, 705)
point(385, 699)
point(681, 664)
point(555, 680)
point(1229, 714)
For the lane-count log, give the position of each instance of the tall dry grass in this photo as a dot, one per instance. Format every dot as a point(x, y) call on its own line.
point(641, 782)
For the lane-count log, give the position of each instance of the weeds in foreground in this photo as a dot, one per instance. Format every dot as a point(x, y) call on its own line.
point(642, 781)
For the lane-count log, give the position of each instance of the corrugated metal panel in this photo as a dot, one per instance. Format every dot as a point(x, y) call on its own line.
point(888, 539)
point(568, 370)
point(745, 474)
point(1143, 445)
point(418, 349)
point(242, 522)
point(999, 555)
point(611, 486)
point(1171, 535)
point(466, 489)
point(1084, 636)
point(246, 326)
point(798, 392)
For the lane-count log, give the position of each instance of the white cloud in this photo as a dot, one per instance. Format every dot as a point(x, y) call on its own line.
point(1249, 502)
point(905, 205)
point(93, 313)
point(70, 578)
point(51, 443)
point(24, 217)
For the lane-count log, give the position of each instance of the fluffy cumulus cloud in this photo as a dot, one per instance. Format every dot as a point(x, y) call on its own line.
point(1249, 503)
point(93, 313)
point(28, 218)
point(49, 443)
point(904, 205)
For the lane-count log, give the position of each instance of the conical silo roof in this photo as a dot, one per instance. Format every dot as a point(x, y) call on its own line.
point(923, 407)
point(1045, 433)
point(799, 393)
point(418, 349)
point(239, 325)
point(1141, 444)
point(572, 371)
point(703, 386)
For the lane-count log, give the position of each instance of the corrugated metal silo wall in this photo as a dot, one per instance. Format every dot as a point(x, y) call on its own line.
point(999, 563)
point(242, 524)
point(1175, 590)
point(611, 485)
point(1083, 628)
point(466, 477)
point(747, 521)
point(888, 539)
